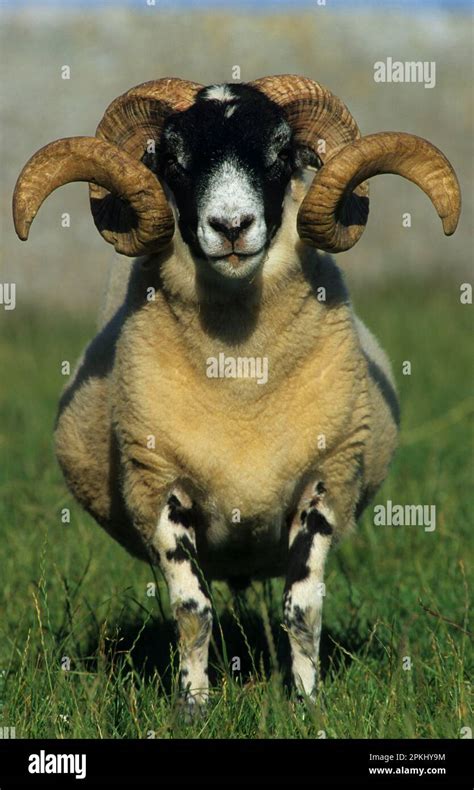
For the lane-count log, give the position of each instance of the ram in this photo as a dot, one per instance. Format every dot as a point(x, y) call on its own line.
point(189, 460)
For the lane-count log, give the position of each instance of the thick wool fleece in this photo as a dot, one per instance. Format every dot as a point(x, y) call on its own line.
point(142, 416)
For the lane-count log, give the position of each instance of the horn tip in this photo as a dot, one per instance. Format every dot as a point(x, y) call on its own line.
point(22, 228)
point(23, 231)
point(22, 219)
point(450, 223)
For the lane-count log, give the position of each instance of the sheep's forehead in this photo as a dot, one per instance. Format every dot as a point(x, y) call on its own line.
point(223, 93)
point(229, 117)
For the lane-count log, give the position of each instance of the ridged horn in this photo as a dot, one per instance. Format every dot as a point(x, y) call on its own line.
point(128, 203)
point(132, 121)
point(92, 160)
point(328, 218)
point(334, 213)
point(314, 113)
point(320, 121)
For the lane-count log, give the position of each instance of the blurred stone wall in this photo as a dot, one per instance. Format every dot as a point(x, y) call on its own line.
point(112, 49)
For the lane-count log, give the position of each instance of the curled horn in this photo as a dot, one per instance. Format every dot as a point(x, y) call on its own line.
point(90, 159)
point(128, 203)
point(334, 213)
point(328, 217)
point(133, 122)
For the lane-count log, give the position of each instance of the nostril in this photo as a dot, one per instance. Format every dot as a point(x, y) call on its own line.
point(231, 229)
point(218, 226)
point(246, 222)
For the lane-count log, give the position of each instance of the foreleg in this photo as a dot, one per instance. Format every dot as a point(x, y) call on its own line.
point(309, 542)
point(175, 543)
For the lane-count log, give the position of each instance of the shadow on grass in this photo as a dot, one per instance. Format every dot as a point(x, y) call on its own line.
point(152, 648)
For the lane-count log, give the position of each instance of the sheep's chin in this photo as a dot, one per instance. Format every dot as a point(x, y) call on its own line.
point(237, 267)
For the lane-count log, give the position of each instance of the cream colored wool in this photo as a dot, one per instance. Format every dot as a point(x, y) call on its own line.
point(141, 416)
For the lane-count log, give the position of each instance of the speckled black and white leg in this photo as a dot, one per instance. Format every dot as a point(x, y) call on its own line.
point(175, 542)
point(309, 542)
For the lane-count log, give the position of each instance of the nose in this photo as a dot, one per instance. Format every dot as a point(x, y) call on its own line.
point(231, 228)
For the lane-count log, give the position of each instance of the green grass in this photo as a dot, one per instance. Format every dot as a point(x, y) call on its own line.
point(68, 591)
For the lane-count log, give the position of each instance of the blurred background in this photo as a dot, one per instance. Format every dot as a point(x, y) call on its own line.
point(110, 46)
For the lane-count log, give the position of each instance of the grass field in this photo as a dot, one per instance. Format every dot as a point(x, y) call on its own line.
point(68, 592)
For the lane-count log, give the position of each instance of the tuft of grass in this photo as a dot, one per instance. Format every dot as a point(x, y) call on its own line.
point(87, 647)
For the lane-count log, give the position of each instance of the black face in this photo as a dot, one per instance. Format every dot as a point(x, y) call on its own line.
point(228, 160)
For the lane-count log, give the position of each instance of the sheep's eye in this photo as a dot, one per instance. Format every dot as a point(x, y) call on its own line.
point(171, 161)
point(282, 157)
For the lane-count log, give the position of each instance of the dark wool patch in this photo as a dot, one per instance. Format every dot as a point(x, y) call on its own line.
point(317, 524)
point(184, 551)
point(299, 619)
point(298, 556)
point(190, 605)
point(179, 514)
point(299, 626)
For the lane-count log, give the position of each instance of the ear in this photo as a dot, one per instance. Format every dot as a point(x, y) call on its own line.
point(305, 157)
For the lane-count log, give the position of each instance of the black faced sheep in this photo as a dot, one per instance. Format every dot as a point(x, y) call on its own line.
point(233, 417)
